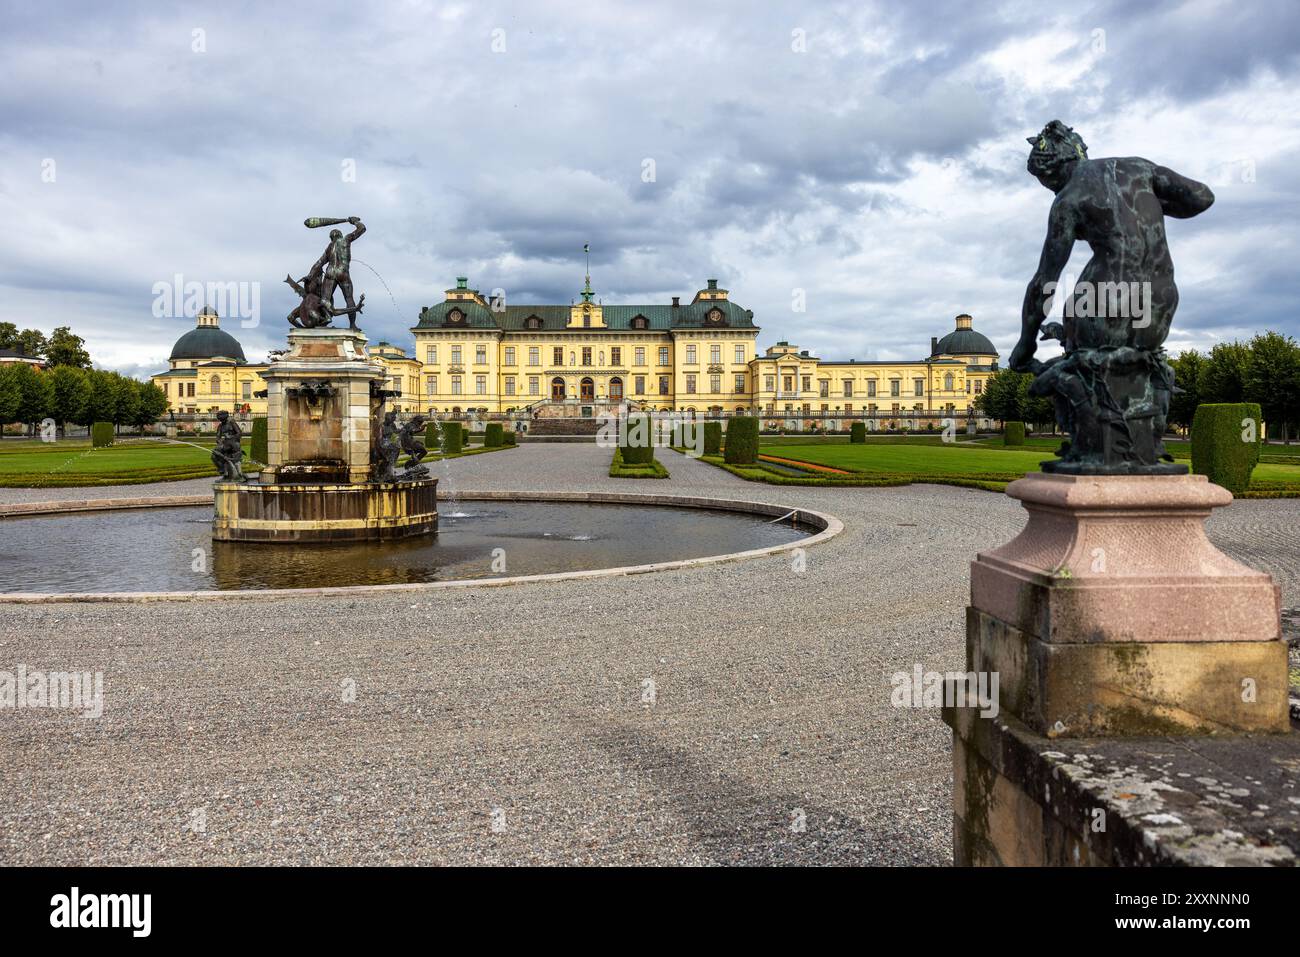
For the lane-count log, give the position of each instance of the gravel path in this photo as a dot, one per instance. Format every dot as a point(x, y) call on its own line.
point(508, 725)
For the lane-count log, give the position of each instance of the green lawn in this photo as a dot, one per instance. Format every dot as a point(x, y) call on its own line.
point(987, 464)
point(37, 464)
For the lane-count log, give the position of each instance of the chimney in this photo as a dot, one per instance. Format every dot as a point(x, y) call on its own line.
point(677, 301)
point(934, 345)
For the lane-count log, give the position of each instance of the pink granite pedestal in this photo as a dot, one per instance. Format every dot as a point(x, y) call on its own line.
point(1113, 613)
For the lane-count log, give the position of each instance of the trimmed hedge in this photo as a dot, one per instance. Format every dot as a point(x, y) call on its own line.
point(638, 454)
point(511, 438)
point(858, 432)
point(101, 434)
point(1219, 449)
point(619, 468)
point(742, 441)
point(257, 444)
point(494, 435)
point(1013, 433)
point(712, 438)
point(453, 438)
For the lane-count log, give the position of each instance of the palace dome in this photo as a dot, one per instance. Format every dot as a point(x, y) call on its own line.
point(963, 341)
point(207, 341)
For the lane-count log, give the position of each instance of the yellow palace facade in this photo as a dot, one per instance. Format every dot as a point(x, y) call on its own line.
point(473, 354)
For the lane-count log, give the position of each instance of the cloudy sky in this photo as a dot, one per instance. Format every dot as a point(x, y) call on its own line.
point(870, 155)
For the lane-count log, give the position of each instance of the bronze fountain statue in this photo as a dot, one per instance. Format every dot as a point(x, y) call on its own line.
point(1113, 384)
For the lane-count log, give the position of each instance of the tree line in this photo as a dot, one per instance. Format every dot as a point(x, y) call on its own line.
point(68, 390)
point(1265, 370)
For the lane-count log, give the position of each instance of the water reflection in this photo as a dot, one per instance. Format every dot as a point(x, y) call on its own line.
point(172, 549)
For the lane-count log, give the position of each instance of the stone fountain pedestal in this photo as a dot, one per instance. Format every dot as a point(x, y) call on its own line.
point(1110, 616)
point(325, 405)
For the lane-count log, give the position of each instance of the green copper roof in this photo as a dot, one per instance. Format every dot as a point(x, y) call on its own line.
point(617, 318)
point(965, 342)
point(207, 342)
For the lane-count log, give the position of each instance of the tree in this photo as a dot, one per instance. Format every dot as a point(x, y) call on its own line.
point(126, 400)
point(1272, 379)
point(1001, 396)
point(69, 394)
point(1188, 369)
point(8, 335)
point(11, 395)
point(66, 349)
point(102, 405)
point(151, 403)
point(31, 342)
point(33, 393)
point(1224, 376)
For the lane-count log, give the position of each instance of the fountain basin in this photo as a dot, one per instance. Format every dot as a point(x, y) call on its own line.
point(68, 551)
point(323, 512)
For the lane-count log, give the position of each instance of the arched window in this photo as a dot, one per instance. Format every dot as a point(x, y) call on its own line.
point(557, 389)
point(947, 382)
point(640, 322)
point(214, 384)
point(616, 389)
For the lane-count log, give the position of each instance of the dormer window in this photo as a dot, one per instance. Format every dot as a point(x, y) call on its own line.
point(533, 322)
point(715, 316)
point(640, 322)
point(455, 317)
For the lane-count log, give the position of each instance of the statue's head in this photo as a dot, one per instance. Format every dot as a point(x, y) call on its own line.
point(222, 416)
point(1055, 152)
point(336, 234)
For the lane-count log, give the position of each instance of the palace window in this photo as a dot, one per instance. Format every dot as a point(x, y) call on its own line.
point(510, 385)
point(979, 384)
point(480, 355)
point(455, 385)
point(480, 385)
point(638, 383)
point(690, 384)
point(715, 354)
point(534, 356)
point(639, 355)
point(663, 385)
point(663, 355)
point(640, 322)
point(510, 355)
point(848, 388)
point(557, 356)
point(787, 383)
point(189, 391)
point(740, 353)
point(947, 382)
point(586, 355)
point(690, 354)
point(740, 382)
point(807, 383)
point(431, 355)
point(769, 382)
point(533, 322)
point(534, 385)
point(824, 388)
point(615, 356)
point(455, 355)
point(431, 384)
point(214, 384)
point(247, 391)
point(871, 387)
point(715, 384)
point(895, 387)
point(918, 387)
